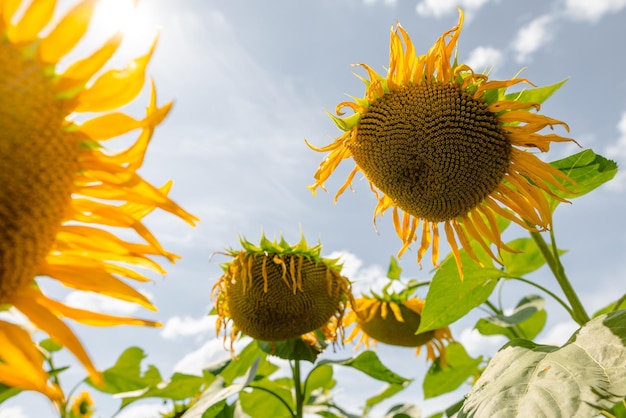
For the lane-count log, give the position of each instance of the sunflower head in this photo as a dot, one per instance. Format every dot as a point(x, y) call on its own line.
point(443, 146)
point(82, 405)
point(394, 321)
point(62, 192)
point(276, 292)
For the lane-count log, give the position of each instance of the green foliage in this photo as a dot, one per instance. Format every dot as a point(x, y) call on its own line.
point(295, 349)
point(579, 379)
point(527, 260)
point(403, 411)
point(526, 321)
point(613, 306)
point(369, 363)
point(459, 368)
point(450, 298)
point(320, 378)
point(535, 95)
point(50, 345)
point(587, 169)
point(219, 391)
point(394, 270)
point(7, 392)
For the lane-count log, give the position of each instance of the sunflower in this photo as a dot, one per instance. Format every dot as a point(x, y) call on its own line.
point(393, 321)
point(61, 191)
point(441, 144)
point(277, 292)
point(82, 405)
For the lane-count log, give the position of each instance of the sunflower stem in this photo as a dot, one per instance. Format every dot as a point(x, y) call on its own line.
point(298, 389)
point(551, 255)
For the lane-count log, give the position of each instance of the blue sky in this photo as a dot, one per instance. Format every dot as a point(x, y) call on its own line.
point(251, 80)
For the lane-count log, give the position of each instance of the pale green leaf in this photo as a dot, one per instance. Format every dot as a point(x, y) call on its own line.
point(579, 379)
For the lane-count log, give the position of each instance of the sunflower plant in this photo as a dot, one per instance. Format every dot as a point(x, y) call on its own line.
point(450, 152)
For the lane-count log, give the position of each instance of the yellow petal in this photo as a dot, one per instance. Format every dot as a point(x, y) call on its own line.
point(35, 18)
point(53, 326)
point(115, 88)
point(7, 10)
point(93, 318)
point(67, 33)
point(81, 71)
point(109, 126)
point(21, 363)
point(87, 276)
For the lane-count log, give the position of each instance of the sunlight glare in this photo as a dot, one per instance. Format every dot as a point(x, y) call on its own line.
point(129, 17)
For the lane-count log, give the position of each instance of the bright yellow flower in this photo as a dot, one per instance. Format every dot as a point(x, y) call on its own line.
point(277, 292)
point(82, 405)
point(440, 144)
point(61, 190)
point(394, 323)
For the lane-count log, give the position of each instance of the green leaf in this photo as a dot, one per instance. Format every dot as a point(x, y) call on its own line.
point(294, 349)
point(387, 392)
point(460, 367)
point(248, 356)
point(403, 411)
point(528, 318)
point(179, 387)
point(394, 270)
point(587, 169)
point(450, 298)
point(216, 410)
point(619, 410)
point(321, 377)
point(264, 402)
point(612, 307)
point(50, 345)
point(7, 392)
point(526, 261)
point(368, 363)
point(535, 95)
point(125, 375)
point(218, 391)
point(579, 379)
point(449, 412)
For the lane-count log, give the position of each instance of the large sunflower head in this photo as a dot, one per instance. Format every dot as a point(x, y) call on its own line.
point(444, 146)
point(61, 190)
point(276, 292)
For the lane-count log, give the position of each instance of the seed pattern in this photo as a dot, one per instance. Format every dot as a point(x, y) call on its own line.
point(38, 165)
point(433, 148)
point(273, 297)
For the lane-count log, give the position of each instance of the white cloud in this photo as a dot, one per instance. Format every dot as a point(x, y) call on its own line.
point(617, 151)
point(211, 352)
point(558, 334)
point(187, 326)
point(152, 410)
point(532, 37)
point(100, 303)
point(363, 279)
point(12, 412)
point(438, 8)
point(592, 10)
point(477, 344)
point(484, 57)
